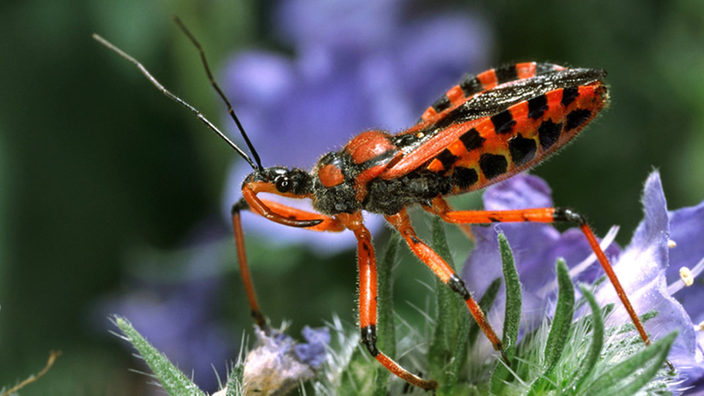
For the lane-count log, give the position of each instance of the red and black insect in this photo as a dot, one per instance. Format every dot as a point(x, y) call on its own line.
point(487, 128)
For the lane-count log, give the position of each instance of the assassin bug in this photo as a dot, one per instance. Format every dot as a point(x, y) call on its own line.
point(487, 128)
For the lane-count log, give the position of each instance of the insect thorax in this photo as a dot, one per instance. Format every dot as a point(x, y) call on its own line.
point(390, 196)
point(350, 180)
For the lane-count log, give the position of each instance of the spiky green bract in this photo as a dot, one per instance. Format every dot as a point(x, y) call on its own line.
point(234, 381)
point(564, 313)
point(635, 372)
point(448, 345)
point(560, 328)
point(512, 317)
point(356, 378)
point(171, 378)
point(597, 342)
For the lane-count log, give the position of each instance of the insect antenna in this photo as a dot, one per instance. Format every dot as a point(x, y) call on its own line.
point(175, 98)
point(230, 110)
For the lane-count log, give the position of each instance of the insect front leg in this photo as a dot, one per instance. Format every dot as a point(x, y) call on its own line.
point(326, 223)
point(368, 301)
point(543, 215)
point(447, 275)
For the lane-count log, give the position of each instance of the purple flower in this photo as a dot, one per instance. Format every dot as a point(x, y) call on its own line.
point(278, 364)
point(641, 266)
point(358, 64)
point(642, 270)
point(313, 351)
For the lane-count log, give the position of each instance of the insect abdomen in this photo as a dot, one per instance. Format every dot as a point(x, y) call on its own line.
point(519, 137)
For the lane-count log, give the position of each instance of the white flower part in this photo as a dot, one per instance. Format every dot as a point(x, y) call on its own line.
point(699, 327)
point(671, 244)
point(271, 368)
point(686, 276)
point(221, 392)
point(681, 283)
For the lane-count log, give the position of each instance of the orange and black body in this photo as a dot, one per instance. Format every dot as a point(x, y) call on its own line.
point(475, 135)
point(483, 130)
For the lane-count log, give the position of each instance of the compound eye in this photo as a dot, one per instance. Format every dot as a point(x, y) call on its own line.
point(283, 183)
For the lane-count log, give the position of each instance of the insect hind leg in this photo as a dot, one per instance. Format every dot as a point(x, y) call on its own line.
point(447, 275)
point(543, 215)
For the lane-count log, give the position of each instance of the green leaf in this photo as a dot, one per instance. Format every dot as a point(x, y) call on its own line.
point(561, 324)
point(620, 380)
point(597, 337)
point(512, 318)
point(172, 379)
point(485, 304)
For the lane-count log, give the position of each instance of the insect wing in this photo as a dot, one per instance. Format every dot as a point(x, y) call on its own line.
point(472, 85)
point(487, 121)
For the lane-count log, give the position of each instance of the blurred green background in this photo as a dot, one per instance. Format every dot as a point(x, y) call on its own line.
point(97, 167)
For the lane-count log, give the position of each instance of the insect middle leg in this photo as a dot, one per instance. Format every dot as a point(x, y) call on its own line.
point(447, 275)
point(368, 301)
point(541, 215)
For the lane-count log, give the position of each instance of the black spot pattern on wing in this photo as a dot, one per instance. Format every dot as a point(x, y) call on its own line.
point(447, 158)
point(576, 118)
point(464, 178)
point(471, 85)
point(442, 104)
point(506, 73)
point(537, 106)
point(549, 133)
point(522, 149)
point(472, 140)
point(493, 165)
point(569, 94)
point(503, 122)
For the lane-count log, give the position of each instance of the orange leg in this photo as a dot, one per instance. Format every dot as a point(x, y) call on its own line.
point(544, 215)
point(441, 206)
point(323, 223)
point(447, 275)
point(367, 301)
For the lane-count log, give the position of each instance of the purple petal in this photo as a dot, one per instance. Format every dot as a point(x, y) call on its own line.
point(641, 270)
point(259, 77)
point(522, 191)
point(313, 353)
point(272, 367)
point(686, 229)
point(647, 255)
point(346, 26)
